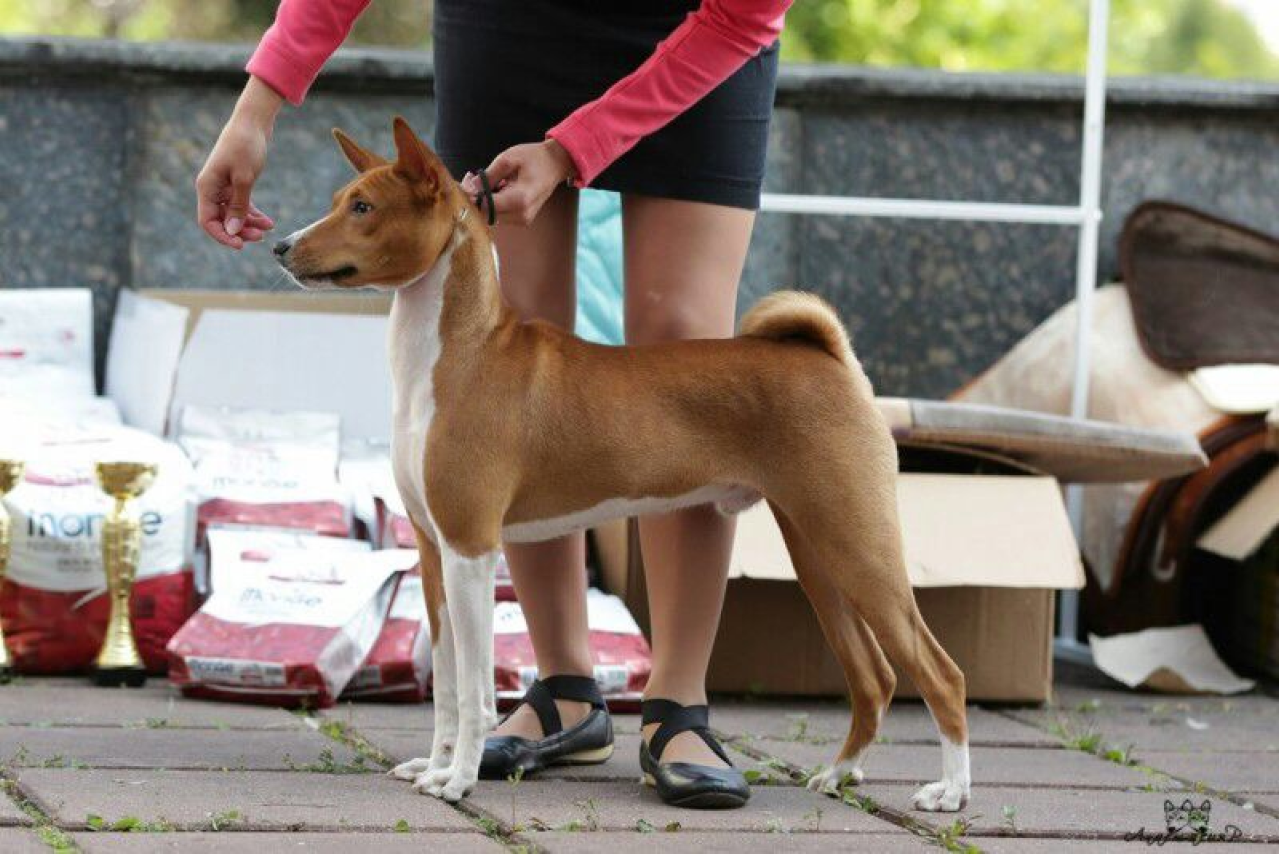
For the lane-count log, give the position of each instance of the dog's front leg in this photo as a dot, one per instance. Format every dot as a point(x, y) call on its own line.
point(430, 775)
point(468, 592)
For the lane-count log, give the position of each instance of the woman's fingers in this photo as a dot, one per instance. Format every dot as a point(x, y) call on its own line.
point(506, 166)
point(257, 219)
point(237, 208)
point(210, 192)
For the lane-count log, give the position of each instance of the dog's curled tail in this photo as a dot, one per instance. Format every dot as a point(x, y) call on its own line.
point(796, 316)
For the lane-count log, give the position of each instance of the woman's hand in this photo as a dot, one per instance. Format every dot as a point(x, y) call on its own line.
point(225, 184)
point(522, 179)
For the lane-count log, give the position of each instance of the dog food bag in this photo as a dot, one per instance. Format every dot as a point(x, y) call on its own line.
point(264, 544)
point(398, 668)
point(53, 604)
point(284, 626)
point(621, 655)
point(364, 470)
point(46, 343)
point(393, 521)
point(266, 469)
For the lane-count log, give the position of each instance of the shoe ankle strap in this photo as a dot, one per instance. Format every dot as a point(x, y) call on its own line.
point(543, 693)
point(673, 719)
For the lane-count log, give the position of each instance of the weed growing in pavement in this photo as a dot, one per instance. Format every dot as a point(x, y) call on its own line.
point(755, 777)
point(1120, 756)
point(865, 803)
point(799, 731)
point(950, 836)
point(343, 733)
point(774, 825)
point(645, 826)
point(798, 727)
point(55, 839)
point(491, 828)
point(1010, 816)
point(591, 813)
point(327, 763)
point(514, 781)
point(224, 820)
point(127, 824)
point(401, 826)
point(815, 816)
point(50, 834)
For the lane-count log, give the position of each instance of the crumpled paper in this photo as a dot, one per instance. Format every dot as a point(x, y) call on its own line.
point(1177, 660)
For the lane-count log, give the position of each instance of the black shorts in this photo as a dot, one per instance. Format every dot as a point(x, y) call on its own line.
point(507, 71)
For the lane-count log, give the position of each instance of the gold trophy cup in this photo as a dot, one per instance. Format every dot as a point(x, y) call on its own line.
point(10, 476)
point(118, 662)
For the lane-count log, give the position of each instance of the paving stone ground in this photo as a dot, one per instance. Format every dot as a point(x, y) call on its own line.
point(87, 769)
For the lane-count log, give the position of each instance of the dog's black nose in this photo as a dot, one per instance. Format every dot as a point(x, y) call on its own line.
point(281, 248)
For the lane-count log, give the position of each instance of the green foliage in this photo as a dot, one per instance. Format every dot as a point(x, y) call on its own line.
point(1198, 37)
point(1205, 38)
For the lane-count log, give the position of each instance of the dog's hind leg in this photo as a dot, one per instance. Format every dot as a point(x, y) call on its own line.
point(869, 676)
point(856, 543)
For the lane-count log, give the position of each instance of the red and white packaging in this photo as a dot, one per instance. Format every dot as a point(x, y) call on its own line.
point(53, 605)
point(622, 658)
point(46, 343)
point(397, 532)
point(266, 469)
point(364, 470)
point(284, 626)
point(398, 669)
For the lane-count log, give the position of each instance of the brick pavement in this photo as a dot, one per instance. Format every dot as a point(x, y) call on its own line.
point(145, 770)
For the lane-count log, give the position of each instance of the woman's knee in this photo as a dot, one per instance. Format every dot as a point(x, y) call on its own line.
point(673, 320)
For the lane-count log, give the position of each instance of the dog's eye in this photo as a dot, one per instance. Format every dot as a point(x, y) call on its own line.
point(360, 207)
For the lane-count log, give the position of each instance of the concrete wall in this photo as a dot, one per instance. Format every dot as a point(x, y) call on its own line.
point(100, 143)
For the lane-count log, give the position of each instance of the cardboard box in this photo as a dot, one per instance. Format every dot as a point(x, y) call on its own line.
point(279, 351)
point(984, 578)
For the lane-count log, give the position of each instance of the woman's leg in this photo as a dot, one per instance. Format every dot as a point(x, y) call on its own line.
point(683, 263)
point(537, 269)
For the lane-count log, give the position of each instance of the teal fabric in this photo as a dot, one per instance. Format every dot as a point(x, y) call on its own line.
point(599, 267)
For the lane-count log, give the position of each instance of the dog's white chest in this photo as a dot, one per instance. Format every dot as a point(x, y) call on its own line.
point(414, 346)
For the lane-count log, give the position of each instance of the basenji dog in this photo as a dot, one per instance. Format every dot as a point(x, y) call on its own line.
point(510, 431)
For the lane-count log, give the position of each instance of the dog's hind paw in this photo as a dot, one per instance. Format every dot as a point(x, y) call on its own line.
point(830, 780)
point(409, 770)
point(944, 796)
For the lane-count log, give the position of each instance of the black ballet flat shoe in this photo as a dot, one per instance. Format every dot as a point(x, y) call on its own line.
point(684, 784)
point(588, 742)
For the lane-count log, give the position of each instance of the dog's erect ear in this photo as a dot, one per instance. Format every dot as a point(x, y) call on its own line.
point(414, 160)
point(361, 159)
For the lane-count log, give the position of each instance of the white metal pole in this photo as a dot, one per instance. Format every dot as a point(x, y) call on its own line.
point(1086, 279)
point(922, 209)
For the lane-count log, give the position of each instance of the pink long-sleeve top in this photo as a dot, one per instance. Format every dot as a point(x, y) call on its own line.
point(702, 52)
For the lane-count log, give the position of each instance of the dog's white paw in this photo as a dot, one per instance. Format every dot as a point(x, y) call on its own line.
point(431, 781)
point(943, 796)
point(458, 787)
point(830, 780)
point(409, 770)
